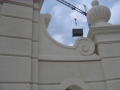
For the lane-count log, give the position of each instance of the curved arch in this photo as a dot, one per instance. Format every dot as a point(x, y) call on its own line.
point(74, 87)
point(73, 81)
point(45, 23)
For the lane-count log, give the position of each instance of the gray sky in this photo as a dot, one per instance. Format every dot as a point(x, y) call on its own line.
point(62, 22)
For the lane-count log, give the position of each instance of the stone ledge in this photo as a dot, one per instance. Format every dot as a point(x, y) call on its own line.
point(69, 58)
point(14, 86)
point(104, 34)
point(27, 3)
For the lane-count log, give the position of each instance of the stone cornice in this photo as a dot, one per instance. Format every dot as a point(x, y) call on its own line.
point(104, 33)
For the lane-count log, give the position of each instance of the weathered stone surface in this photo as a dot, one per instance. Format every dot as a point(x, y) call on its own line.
point(17, 11)
point(14, 27)
point(15, 69)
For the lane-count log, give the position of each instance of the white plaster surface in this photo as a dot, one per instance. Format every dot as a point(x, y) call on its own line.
point(34, 50)
point(57, 72)
point(109, 50)
point(17, 11)
point(97, 86)
point(14, 27)
point(15, 87)
point(35, 32)
point(113, 85)
point(15, 69)
point(111, 68)
point(12, 46)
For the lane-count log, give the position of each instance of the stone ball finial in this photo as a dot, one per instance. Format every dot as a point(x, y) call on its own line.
point(98, 15)
point(94, 3)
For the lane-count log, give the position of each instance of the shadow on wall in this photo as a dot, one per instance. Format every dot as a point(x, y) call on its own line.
point(74, 87)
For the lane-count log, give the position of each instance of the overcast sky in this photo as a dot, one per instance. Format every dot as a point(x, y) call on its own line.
point(62, 22)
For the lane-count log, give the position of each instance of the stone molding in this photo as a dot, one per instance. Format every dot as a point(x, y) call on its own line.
point(104, 34)
point(73, 81)
point(50, 49)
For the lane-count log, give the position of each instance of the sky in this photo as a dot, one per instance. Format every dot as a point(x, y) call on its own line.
point(62, 21)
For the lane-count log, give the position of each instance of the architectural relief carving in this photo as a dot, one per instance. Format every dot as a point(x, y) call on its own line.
point(85, 46)
point(99, 15)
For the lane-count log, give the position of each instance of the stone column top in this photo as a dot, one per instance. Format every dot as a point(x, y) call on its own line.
point(98, 15)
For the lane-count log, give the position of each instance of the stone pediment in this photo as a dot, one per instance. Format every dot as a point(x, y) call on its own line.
point(49, 49)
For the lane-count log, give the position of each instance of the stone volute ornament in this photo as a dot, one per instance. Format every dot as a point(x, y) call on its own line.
point(98, 15)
